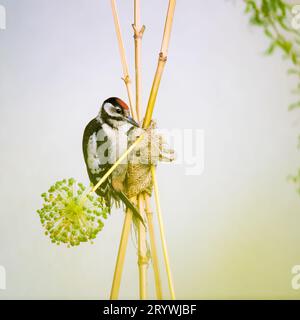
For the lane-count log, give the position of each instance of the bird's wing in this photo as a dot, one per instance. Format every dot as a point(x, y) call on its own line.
point(95, 168)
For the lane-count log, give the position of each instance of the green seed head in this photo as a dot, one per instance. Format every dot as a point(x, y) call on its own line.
point(69, 215)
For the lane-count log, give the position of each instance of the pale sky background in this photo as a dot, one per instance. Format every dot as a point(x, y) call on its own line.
point(232, 232)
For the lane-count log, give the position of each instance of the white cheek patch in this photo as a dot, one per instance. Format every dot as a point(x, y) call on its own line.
point(110, 110)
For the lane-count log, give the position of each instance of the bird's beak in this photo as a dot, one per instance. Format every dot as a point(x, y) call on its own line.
point(131, 121)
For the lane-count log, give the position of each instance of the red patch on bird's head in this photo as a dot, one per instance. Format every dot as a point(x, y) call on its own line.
point(122, 104)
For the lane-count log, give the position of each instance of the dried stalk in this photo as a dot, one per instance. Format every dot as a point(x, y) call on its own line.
point(114, 294)
point(138, 35)
point(162, 234)
point(142, 237)
point(154, 257)
point(126, 76)
point(143, 259)
point(161, 63)
point(126, 227)
point(147, 120)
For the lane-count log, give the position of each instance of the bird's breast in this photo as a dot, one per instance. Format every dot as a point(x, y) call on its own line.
point(114, 143)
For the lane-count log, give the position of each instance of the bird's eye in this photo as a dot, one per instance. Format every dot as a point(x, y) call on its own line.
point(118, 110)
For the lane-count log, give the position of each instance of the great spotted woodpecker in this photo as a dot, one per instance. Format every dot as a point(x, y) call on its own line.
point(105, 139)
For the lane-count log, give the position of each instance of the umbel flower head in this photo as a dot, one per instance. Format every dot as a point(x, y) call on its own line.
point(70, 214)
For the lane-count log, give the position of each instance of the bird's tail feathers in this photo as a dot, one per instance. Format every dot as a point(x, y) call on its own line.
point(131, 206)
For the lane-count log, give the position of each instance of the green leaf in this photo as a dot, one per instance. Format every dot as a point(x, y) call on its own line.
point(271, 48)
point(294, 105)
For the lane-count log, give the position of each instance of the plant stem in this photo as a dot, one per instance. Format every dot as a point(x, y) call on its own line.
point(161, 63)
point(142, 247)
point(126, 77)
point(142, 251)
point(138, 34)
point(162, 234)
point(121, 256)
point(154, 256)
point(136, 113)
point(142, 239)
point(147, 120)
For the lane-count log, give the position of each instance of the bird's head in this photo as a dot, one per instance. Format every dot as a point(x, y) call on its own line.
point(115, 113)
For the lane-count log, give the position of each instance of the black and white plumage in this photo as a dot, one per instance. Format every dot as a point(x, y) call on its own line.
point(104, 141)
